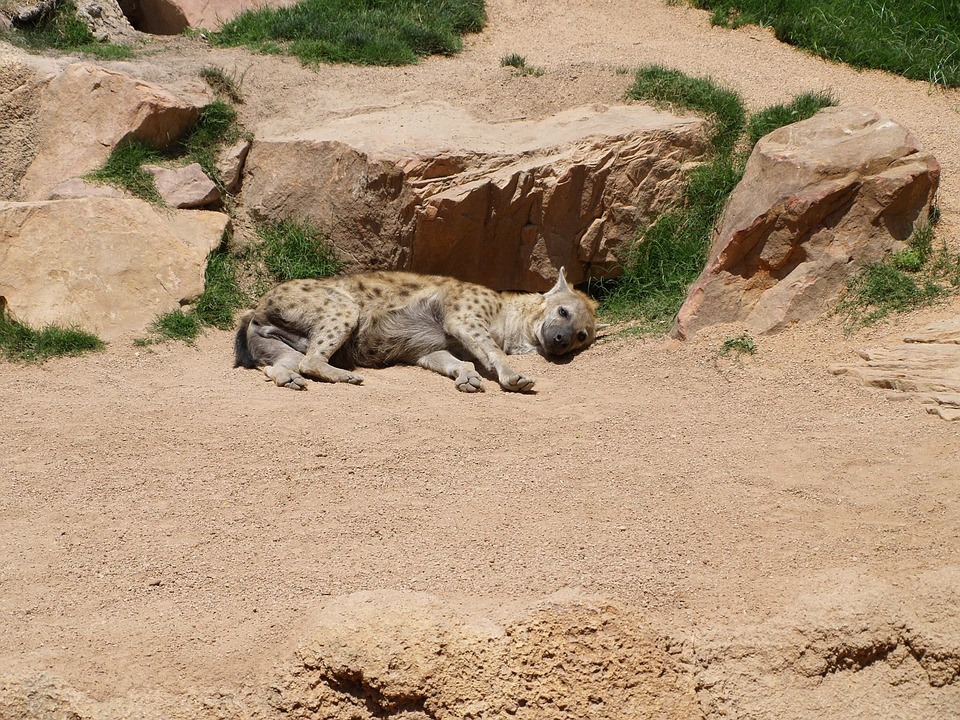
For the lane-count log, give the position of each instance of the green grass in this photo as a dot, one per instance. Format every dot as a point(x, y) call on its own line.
point(291, 249)
point(216, 126)
point(519, 65)
point(666, 87)
point(123, 169)
point(919, 39)
point(362, 32)
point(669, 254)
point(742, 344)
point(61, 29)
point(914, 277)
point(21, 342)
point(223, 83)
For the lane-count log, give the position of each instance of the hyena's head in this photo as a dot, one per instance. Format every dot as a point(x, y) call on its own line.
point(569, 319)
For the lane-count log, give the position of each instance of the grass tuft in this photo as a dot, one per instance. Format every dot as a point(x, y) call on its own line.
point(913, 277)
point(663, 86)
point(295, 249)
point(362, 32)
point(919, 39)
point(742, 344)
point(519, 65)
point(60, 28)
point(21, 342)
point(123, 169)
point(223, 84)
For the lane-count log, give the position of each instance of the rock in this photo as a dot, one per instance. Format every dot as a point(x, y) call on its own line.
point(108, 265)
point(106, 21)
point(86, 110)
point(405, 654)
point(426, 187)
point(78, 188)
point(819, 200)
point(21, 84)
point(230, 164)
point(170, 17)
point(184, 187)
point(25, 11)
point(926, 367)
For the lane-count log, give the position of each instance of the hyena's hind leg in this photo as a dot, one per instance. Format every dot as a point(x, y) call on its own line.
point(463, 373)
point(326, 339)
point(274, 351)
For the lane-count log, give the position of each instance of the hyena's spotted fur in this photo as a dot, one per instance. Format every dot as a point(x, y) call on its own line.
point(322, 329)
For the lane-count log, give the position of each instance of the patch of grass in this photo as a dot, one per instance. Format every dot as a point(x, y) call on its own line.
point(60, 28)
point(178, 325)
point(519, 65)
point(216, 126)
point(919, 39)
point(21, 342)
point(222, 83)
point(123, 169)
point(222, 295)
point(669, 254)
point(742, 344)
point(800, 108)
point(663, 86)
point(916, 276)
point(362, 32)
point(293, 249)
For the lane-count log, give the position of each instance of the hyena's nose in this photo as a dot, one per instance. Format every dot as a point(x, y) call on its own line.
point(561, 342)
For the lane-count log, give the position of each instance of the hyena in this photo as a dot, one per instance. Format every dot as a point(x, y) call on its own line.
point(323, 329)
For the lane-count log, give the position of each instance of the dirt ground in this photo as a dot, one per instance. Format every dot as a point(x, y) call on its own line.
point(168, 522)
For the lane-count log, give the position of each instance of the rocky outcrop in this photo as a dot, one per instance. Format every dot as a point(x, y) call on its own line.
point(85, 111)
point(926, 367)
point(169, 17)
point(426, 187)
point(819, 200)
point(108, 265)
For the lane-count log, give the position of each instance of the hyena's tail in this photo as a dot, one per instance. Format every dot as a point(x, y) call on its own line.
point(243, 356)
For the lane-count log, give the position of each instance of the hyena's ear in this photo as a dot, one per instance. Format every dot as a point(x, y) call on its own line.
point(561, 285)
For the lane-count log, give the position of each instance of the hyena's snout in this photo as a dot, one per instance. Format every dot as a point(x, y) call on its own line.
point(559, 340)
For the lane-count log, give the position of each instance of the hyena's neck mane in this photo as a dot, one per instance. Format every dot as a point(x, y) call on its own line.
point(520, 322)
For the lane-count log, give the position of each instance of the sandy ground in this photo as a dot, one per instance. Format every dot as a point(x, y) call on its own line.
point(167, 521)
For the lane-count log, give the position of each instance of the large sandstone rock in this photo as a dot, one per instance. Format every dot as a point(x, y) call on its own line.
point(169, 17)
point(426, 187)
point(106, 21)
point(925, 367)
point(109, 265)
point(819, 200)
point(85, 110)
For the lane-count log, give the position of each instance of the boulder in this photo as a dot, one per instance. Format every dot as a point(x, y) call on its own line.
point(819, 200)
point(170, 17)
point(184, 187)
point(426, 187)
point(21, 87)
point(86, 110)
point(108, 265)
point(106, 21)
point(926, 367)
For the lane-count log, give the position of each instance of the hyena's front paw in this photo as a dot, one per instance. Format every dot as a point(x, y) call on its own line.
point(468, 380)
point(284, 377)
point(517, 383)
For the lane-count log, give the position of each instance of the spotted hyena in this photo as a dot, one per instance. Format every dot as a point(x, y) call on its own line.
point(323, 329)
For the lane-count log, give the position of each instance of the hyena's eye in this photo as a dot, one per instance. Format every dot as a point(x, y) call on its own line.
point(563, 312)
point(581, 336)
